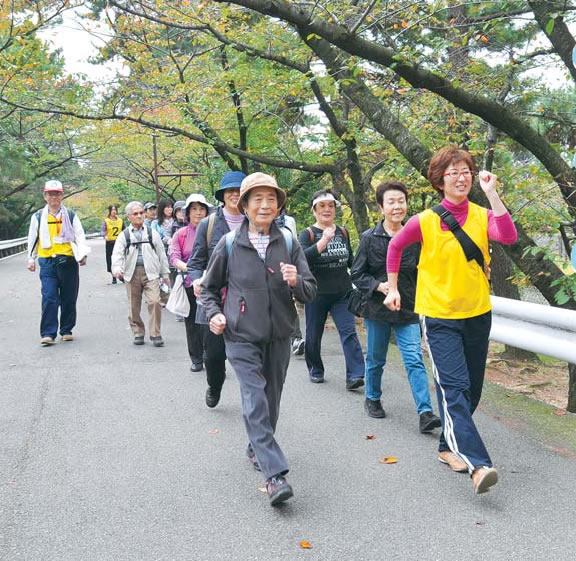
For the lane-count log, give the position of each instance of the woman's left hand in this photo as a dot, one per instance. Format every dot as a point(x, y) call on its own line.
point(487, 181)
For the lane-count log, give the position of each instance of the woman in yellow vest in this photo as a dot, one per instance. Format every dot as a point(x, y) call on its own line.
point(453, 297)
point(111, 229)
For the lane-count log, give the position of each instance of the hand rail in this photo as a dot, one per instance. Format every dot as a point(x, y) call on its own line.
point(541, 329)
point(19, 245)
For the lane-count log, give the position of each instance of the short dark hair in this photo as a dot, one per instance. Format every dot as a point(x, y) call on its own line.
point(444, 158)
point(389, 186)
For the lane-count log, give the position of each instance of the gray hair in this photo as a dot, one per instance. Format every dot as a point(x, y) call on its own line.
point(131, 206)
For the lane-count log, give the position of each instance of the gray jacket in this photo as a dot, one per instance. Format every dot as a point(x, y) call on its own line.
point(258, 304)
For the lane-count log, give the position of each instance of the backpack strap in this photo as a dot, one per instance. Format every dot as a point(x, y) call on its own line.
point(71, 215)
point(230, 239)
point(288, 240)
point(344, 232)
point(129, 241)
point(211, 220)
point(471, 250)
point(311, 234)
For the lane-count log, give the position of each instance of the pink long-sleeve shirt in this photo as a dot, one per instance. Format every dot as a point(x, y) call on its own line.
point(181, 247)
point(501, 229)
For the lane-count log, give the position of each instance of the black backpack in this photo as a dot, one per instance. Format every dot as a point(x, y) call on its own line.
point(129, 242)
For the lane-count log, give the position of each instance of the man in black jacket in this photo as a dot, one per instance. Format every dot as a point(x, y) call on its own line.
point(369, 275)
point(225, 218)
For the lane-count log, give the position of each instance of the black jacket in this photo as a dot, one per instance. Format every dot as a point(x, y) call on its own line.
point(258, 306)
point(369, 270)
point(203, 248)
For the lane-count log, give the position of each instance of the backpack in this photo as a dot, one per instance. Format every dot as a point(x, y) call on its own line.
point(129, 242)
point(71, 215)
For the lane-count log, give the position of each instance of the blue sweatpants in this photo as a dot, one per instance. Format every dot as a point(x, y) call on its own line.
point(458, 350)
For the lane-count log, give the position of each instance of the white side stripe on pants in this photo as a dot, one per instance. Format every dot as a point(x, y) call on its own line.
point(448, 428)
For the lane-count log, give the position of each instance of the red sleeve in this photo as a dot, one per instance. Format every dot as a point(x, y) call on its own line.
point(501, 229)
point(411, 233)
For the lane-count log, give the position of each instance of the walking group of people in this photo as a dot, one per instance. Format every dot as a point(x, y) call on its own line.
point(244, 270)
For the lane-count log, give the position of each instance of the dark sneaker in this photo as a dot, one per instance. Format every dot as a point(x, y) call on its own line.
point(354, 384)
point(298, 347)
point(429, 422)
point(157, 341)
point(114, 280)
point(212, 397)
point(139, 340)
point(254, 462)
point(278, 490)
point(196, 367)
point(317, 379)
point(374, 408)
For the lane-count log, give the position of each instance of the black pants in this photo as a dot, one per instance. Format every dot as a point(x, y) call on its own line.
point(214, 359)
point(109, 249)
point(194, 331)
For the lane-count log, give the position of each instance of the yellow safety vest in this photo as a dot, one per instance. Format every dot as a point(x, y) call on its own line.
point(449, 286)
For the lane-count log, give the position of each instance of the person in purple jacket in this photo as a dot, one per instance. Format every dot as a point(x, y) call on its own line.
point(195, 209)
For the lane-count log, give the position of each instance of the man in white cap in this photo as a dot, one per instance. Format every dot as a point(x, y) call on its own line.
point(57, 238)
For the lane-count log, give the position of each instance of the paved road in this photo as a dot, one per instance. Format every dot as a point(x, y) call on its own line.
point(107, 452)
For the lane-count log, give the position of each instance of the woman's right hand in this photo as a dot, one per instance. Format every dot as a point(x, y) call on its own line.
point(392, 300)
point(181, 266)
point(328, 233)
point(197, 287)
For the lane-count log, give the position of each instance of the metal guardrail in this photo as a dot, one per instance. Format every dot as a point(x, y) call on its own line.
point(10, 247)
point(541, 329)
point(19, 245)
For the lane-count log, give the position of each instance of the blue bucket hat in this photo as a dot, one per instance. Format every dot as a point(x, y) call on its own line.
point(230, 180)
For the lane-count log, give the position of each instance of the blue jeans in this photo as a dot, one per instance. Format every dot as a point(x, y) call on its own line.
point(316, 315)
point(60, 283)
point(408, 340)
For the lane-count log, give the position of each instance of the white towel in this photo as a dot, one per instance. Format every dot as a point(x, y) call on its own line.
point(44, 232)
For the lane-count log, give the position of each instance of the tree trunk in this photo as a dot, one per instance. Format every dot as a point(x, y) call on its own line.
point(571, 388)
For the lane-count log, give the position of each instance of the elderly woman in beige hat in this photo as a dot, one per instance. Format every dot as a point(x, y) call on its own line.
point(263, 267)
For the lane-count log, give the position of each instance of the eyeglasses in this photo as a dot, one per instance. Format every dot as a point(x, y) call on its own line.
point(455, 174)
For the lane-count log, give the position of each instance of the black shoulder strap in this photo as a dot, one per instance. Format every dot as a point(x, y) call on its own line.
point(150, 240)
point(471, 250)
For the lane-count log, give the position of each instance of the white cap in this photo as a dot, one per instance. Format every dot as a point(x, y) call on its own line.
point(53, 185)
point(326, 197)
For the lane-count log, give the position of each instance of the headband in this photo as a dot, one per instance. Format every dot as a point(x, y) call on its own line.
point(326, 197)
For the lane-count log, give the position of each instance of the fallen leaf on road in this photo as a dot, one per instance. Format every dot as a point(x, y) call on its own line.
point(389, 460)
point(262, 489)
point(305, 544)
point(213, 431)
point(559, 412)
point(370, 437)
point(480, 522)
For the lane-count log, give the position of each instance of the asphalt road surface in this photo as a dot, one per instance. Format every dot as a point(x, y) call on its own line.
point(108, 452)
